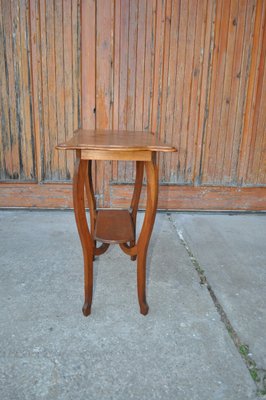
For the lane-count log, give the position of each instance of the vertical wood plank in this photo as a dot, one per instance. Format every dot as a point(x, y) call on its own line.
point(5, 149)
point(140, 57)
point(52, 161)
point(76, 67)
point(261, 129)
point(194, 106)
point(116, 77)
point(123, 84)
point(68, 94)
point(26, 120)
point(44, 81)
point(104, 88)
point(132, 47)
point(219, 79)
point(88, 60)
point(205, 90)
point(257, 133)
point(226, 88)
point(10, 30)
point(186, 95)
point(149, 64)
point(243, 74)
point(249, 104)
point(158, 66)
point(228, 173)
point(60, 84)
point(167, 30)
point(172, 119)
point(36, 88)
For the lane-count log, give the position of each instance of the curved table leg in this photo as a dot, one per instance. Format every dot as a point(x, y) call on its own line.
point(145, 234)
point(91, 200)
point(135, 199)
point(80, 173)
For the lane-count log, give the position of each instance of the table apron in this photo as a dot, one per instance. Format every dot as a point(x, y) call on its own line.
point(126, 155)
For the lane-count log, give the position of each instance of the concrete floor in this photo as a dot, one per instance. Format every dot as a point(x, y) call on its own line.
point(181, 350)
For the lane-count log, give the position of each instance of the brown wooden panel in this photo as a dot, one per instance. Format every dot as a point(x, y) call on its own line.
point(17, 134)
point(217, 198)
point(108, 221)
point(55, 59)
point(173, 197)
point(192, 71)
point(252, 154)
point(104, 87)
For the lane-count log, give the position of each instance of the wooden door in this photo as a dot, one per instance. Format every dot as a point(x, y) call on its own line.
point(191, 71)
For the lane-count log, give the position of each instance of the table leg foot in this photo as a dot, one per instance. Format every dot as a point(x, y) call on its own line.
point(144, 309)
point(133, 258)
point(86, 309)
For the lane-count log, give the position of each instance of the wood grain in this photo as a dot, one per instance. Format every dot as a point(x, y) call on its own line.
point(173, 197)
point(192, 72)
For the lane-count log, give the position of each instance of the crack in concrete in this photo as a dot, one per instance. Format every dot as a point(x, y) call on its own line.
point(258, 374)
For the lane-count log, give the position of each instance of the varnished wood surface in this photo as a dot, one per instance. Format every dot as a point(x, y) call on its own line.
point(114, 226)
point(125, 155)
point(80, 175)
point(115, 140)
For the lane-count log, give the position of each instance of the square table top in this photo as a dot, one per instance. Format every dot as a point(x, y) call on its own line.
point(115, 140)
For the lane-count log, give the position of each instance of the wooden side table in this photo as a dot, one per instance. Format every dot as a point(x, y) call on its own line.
point(110, 225)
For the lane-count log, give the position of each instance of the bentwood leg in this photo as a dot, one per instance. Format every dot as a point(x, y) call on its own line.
point(80, 175)
point(135, 199)
point(91, 200)
point(144, 238)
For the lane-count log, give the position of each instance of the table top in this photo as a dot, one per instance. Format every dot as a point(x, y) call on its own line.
point(115, 140)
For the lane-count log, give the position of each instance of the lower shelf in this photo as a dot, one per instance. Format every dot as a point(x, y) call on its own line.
point(114, 226)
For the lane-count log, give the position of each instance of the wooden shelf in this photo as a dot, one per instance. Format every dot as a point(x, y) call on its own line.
point(114, 226)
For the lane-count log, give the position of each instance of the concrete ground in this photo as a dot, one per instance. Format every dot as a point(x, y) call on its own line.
point(204, 337)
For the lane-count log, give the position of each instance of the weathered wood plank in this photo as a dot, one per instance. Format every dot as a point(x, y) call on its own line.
point(52, 154)
point(167, 30)
point(76, 78)
point(140, 59)
point(36, 88)
point(259, 105)
point(44, 101)
point(221, 43)
point(27, 138)
point(104, 89)
point(242, 100)
point(217, 198)
point(68, 86)
point(123, 82)
point(188, 78)
point(195, 100)
point(132, 47)
point(60, 84)
point(172, 119)
point(261, 129)
point(205, 91)
point(12, 145)
point(88, 77)
point(116, 77)
point(222, 132)
point(228, 172)
point(5, 144)
point(250, 99)
point(149, 63)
